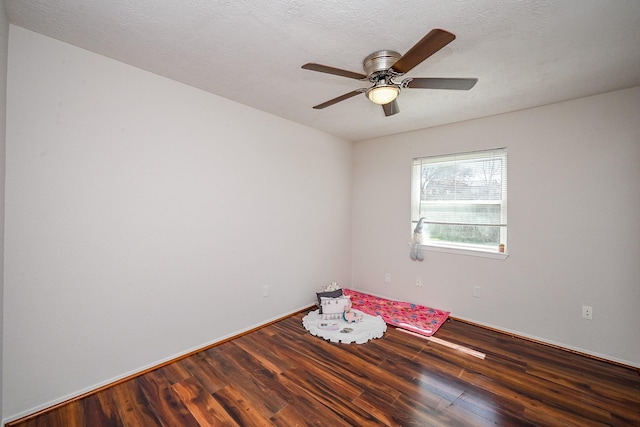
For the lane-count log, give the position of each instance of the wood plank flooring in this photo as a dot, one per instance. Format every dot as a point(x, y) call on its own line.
point(281, 375)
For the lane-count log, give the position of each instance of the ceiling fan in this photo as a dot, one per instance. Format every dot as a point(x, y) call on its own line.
point(383, 67)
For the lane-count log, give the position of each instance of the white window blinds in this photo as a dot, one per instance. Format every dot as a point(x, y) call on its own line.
point(463, 198)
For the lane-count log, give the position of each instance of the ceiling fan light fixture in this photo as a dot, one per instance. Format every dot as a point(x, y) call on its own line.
point(383, 93)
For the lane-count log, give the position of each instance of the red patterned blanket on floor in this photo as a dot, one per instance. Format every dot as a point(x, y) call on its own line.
point(417, 318)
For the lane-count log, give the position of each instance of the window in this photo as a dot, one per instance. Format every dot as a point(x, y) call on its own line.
point(463, 200)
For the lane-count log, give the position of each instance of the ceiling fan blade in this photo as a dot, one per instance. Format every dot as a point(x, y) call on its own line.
point(431, 43)
point(338, 99)
point(391, 108)
point(335, 71)
point(442, 83)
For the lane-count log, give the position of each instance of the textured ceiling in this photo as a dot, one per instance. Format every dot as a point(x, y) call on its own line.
point(525, 53)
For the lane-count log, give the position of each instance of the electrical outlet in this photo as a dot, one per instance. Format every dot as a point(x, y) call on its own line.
point(476, 291)
point(587, 312)
point(418, 281)
point(387, 278)
point(265, 291)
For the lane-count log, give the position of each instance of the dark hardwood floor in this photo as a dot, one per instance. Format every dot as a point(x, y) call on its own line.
point(281, 375)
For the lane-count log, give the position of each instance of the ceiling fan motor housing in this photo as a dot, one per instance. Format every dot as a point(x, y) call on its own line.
point(379, 61)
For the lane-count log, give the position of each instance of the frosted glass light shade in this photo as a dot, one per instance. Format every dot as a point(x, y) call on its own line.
point(383, 94)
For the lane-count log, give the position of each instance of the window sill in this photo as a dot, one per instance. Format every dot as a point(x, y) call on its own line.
point(467, 252)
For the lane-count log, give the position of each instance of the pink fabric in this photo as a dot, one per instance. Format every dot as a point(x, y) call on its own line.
point(417, 318)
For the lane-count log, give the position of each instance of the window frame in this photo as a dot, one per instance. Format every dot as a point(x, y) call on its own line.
point(460, 247)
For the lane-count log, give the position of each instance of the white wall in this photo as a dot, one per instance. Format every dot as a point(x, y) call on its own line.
point(4, 41)
point(143, 218)
point(574, 224)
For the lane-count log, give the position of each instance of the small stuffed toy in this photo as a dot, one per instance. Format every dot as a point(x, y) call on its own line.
point(333, 286)
point(351, 316)
point(416, 243)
